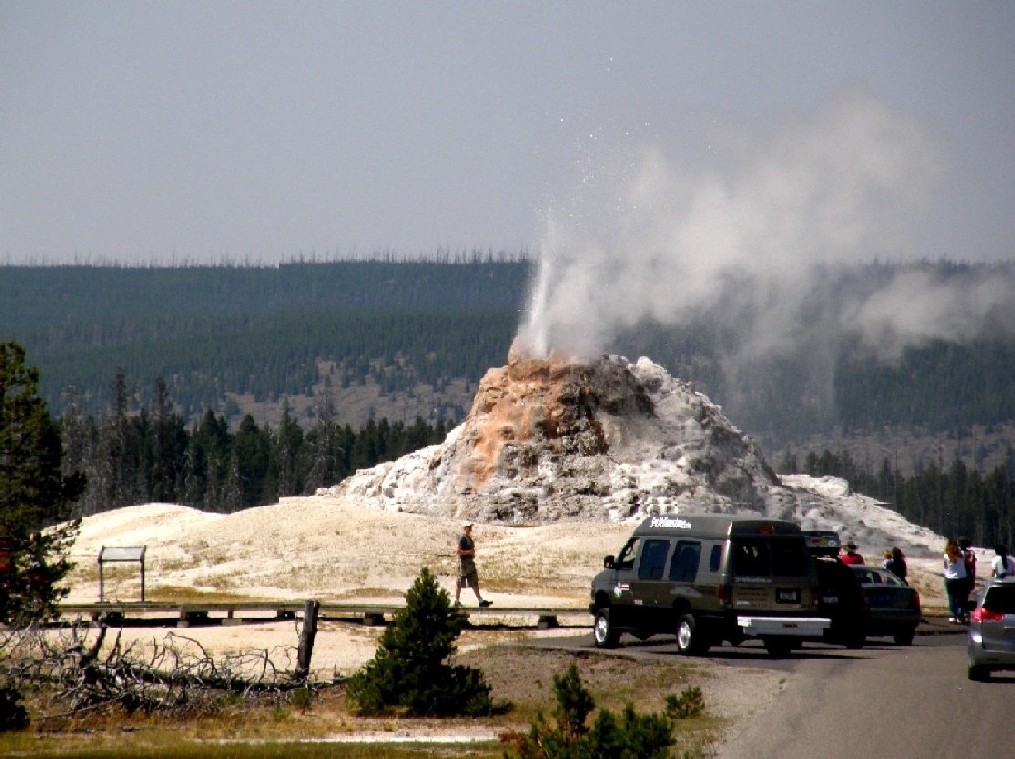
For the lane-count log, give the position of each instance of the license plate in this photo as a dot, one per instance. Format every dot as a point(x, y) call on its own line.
point(788, 595)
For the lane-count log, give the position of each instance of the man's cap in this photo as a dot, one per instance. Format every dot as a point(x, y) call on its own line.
point(851, 544)
point(466, 524)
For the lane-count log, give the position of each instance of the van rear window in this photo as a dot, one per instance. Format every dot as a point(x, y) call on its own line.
point(769, 557)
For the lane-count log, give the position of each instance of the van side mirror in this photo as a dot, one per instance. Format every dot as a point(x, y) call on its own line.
point(609, 561)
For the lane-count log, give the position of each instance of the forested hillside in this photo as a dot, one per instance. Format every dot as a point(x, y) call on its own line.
point(213, 331)
point(396, 340)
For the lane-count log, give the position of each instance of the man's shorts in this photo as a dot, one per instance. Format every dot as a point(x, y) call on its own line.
point(468, 577)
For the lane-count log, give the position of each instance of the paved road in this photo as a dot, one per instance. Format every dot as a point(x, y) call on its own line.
point(882, 701)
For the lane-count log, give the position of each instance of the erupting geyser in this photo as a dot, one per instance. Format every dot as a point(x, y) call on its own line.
point(551, 437)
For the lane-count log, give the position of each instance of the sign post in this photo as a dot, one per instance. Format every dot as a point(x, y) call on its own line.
point(119, 554)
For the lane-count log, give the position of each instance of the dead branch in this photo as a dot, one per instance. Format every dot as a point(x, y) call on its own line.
point(81, 672)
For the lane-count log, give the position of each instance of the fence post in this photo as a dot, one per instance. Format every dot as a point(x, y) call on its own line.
point(307, 636)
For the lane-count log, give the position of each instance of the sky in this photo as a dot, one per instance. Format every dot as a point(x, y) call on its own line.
point(196, 132)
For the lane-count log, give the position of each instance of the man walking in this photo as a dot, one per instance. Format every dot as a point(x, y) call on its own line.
point(467, 574)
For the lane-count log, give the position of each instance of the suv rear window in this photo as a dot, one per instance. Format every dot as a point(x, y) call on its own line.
point(769, 557)
point(1000, 599)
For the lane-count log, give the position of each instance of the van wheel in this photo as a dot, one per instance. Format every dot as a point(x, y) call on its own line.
point(690, 638)
point(603, 633)
point(778, 648)
point(855, 639)
point(977, 673)
point(904, 637)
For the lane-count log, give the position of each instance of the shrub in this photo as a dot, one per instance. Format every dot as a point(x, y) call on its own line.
point(409, 673)
point(13, 714)
point(688, 705)
point(632, 736)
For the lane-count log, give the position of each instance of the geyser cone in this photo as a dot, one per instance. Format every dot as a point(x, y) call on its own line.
point(557, 437)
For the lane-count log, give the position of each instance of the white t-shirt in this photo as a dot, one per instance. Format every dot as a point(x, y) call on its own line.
point(1002, 567)
point(955, 570)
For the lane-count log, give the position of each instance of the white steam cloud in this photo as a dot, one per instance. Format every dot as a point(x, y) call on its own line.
point(759, 239)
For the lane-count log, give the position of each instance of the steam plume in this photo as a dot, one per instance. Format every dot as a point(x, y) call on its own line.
point(760, 241)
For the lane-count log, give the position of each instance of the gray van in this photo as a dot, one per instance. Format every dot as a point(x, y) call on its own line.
point(709, 579)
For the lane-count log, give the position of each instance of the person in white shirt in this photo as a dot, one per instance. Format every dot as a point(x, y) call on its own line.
point(955, 582)
point(1002, 565)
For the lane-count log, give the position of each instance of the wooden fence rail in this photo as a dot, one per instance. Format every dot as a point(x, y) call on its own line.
point(175, 614)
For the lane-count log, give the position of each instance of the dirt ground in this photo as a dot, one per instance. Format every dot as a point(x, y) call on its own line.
point(326, 549)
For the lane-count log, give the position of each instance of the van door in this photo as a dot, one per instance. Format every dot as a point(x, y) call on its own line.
point(650, 589)
point(622, 612)
point(770, 574)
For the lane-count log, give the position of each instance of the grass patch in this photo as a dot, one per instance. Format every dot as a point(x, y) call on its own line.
point(518, 674)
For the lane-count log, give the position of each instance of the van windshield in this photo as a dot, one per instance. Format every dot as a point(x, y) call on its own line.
point(769, 557)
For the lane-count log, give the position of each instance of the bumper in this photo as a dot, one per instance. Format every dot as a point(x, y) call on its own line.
point(796, 627)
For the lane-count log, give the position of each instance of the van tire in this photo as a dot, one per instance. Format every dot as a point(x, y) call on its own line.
point(904, 637)
point(856, 642)
point(778, 648)
point(978, 673)
point(690, 637)
point(604, 635)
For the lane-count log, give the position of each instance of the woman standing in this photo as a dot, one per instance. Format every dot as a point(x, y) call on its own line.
point(896, 563)
point(1002, 565)
point(955, 582)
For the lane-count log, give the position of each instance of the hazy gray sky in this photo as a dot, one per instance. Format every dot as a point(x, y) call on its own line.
point(203, 131)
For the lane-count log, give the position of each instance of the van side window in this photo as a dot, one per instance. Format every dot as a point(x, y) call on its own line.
point(715, 558)
point(684, 566)
point(653, 559)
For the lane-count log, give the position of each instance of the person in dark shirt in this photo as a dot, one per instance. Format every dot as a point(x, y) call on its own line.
point(896, 564)
point(467, 574)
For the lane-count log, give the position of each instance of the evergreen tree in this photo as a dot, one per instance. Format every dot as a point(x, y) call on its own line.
point(168, 445)
point(36, 497)
point(410, 672)
point(252, 446)
point(288, 441)
point(323, 457)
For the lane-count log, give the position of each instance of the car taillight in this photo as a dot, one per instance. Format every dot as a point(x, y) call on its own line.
point(915, 601)
point(984, 614)
point(725, 594)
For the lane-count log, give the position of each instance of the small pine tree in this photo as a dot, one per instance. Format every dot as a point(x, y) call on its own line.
point(633, 736)
point(36, 498)
point(410, 673)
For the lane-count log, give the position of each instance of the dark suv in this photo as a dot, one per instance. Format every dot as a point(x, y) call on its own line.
point(842, 600)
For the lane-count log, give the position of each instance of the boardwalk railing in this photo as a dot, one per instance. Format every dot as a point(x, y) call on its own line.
point(176, 614)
